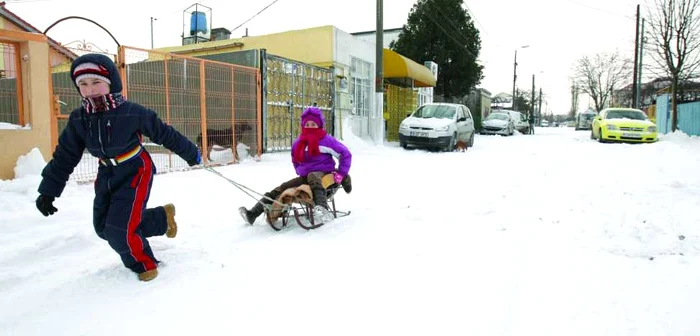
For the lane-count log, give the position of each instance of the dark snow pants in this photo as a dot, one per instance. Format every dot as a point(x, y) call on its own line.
point(120, 215)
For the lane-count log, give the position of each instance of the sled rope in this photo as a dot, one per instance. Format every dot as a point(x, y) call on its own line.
point(248, 191)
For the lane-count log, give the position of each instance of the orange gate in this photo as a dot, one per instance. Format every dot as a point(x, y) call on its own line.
point(216, 105)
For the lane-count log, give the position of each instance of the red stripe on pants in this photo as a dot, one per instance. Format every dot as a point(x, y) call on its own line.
point(132, 239)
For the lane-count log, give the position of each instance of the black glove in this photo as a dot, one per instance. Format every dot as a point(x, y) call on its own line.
point(197, 160)
point(45, 205)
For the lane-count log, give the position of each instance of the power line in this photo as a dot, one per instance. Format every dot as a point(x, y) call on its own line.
point(252, 17)
point(602, 10)
point(22, 1)
point(471, 13)
point(459, 43)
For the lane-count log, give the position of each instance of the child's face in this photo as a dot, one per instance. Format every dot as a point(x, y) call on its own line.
point(93, 87)
point(310, 124)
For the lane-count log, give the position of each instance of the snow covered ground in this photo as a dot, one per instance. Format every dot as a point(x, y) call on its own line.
point(552, 234)
point(8, 126)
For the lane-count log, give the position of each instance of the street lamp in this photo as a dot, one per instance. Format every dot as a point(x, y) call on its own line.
point(515, 74)
point(152, 19)
point(538, 116)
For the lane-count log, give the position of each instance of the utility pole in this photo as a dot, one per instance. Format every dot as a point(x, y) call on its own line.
point(611, 101)
point(532, 105)
point(572, 114)
point(379, 74)
point(638, 103)
point(152, 19)
point(539, 106)
point(636, 61)
point(515, 76)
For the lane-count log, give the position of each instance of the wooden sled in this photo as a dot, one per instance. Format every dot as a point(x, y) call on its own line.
point(299, 202)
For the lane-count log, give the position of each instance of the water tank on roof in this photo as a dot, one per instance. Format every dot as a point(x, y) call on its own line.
point(198, 23)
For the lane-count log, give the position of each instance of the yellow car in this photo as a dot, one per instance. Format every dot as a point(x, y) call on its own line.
point(624, 125)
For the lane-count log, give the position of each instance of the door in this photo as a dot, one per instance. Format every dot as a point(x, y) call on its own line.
point(465, 127)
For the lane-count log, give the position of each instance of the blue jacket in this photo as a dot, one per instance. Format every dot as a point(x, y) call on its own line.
point(108, 135)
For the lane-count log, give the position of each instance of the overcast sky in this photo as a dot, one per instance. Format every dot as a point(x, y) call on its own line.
point(557, 31)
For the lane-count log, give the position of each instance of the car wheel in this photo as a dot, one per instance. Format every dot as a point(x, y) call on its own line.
point(471, 140)
point(592, 135)
point(403, 145)
point(600, 135)
point(453, 142)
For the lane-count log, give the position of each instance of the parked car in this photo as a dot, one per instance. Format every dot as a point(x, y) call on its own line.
point(498, 122)
point(623, 124)
point(544, 123)
point(584, 120)
point(519, 120)
point(437, 125)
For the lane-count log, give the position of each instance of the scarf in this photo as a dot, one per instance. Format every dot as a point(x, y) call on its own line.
point(103, 103)
point(309, 137)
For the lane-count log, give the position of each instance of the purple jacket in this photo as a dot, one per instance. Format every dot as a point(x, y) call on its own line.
point(329, 147)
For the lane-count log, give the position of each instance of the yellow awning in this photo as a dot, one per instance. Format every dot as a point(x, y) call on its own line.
point(397, 66)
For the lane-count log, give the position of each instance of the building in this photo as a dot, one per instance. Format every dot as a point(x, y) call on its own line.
point(25, 59)
point(350, 60)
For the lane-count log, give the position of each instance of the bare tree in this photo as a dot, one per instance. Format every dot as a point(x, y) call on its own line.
point(675, 28)
point(599, 75)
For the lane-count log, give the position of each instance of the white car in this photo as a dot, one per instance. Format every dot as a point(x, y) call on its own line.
point(498, 122)
point(438, 125)
point(584, 120)
point(519, 120)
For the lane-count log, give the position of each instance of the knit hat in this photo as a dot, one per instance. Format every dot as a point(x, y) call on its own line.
point(91, 70)
point(96, 66)
point(314, 114)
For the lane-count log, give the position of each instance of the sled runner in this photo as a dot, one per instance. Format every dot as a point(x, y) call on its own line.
point(298, 202)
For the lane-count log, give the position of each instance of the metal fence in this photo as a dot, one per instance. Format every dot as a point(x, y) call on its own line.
point(214, 104)
point(688, 115)
point(289, 86)
point(398, 102)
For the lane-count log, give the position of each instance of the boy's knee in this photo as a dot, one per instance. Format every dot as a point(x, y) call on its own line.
point(314, 178)
point(115, 236)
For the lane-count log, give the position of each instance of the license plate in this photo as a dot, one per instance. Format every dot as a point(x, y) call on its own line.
point(632, 135)
point(419, 134)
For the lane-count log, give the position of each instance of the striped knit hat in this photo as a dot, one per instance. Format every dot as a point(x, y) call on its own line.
point(91, 70)
point(96, 66)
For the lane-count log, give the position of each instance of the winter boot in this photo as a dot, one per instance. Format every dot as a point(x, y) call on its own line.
point(171, 232)
point(249, 216)
point(246, 215)
point(148, 275)
point(322, 215)
point(321, 212)
point(346, 184)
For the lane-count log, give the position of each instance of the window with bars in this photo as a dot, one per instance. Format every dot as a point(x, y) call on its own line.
point(10, 92)
point(360, 72)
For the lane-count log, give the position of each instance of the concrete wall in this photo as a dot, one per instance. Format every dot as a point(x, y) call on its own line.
point(312, 46)
point(387, 38)
point(345, 48)
point(36, 99)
